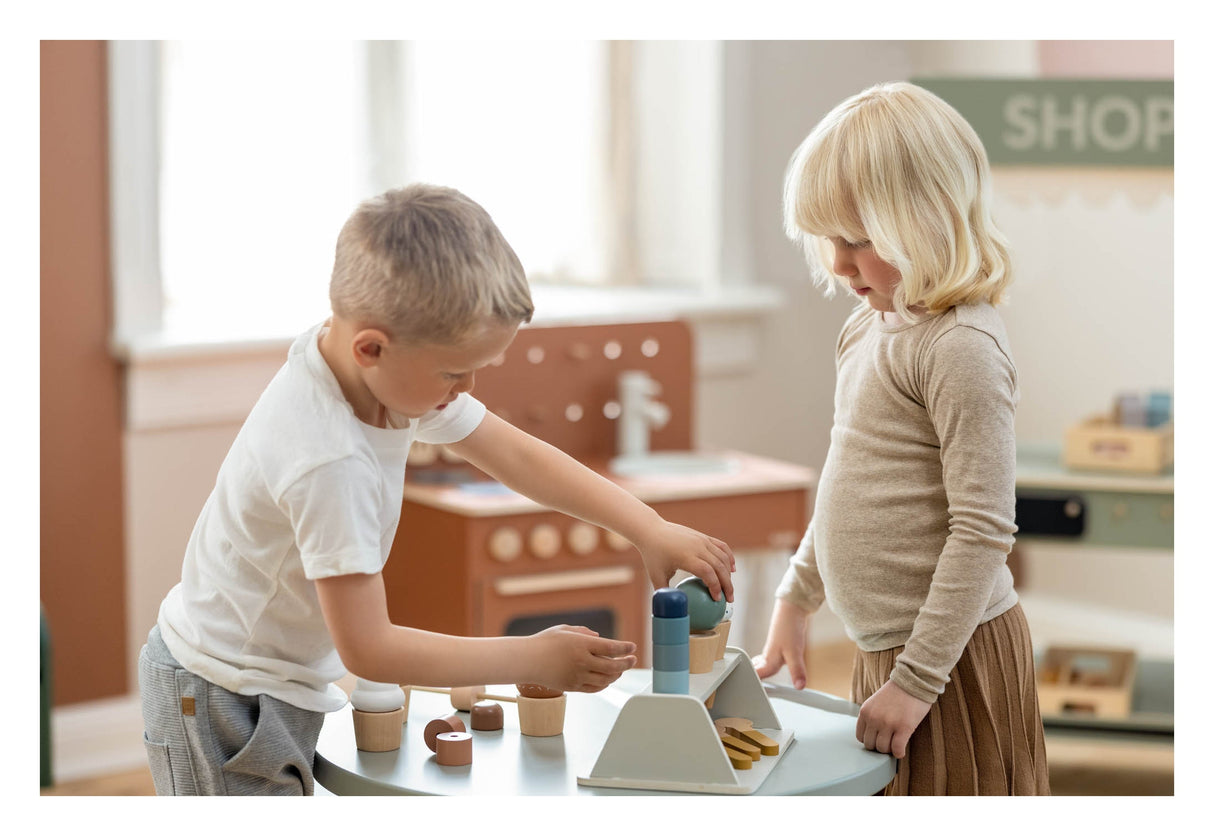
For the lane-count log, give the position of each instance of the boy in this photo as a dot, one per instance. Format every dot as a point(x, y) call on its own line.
point(281, 592)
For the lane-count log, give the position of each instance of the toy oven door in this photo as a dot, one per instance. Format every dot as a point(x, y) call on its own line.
point(608, 600)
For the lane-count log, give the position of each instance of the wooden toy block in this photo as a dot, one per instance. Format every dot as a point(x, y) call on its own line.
point(378, 731)
point(541, 717)
point(709, 701)
point(486, 716)
point(703, 651)
point(748, 749)
point(722, 631)
point(442, 725)
point(744, 729)
point(454, 748)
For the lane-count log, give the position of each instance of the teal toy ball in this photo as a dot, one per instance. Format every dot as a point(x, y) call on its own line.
point(703, 613)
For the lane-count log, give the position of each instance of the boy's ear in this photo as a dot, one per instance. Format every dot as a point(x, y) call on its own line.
point(368, 344)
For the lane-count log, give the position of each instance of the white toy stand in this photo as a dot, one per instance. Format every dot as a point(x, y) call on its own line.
point(669, 742)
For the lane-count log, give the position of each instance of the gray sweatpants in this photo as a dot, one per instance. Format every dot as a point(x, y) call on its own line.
point(202, 739)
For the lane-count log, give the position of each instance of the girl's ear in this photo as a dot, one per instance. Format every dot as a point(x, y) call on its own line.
point(368, 345)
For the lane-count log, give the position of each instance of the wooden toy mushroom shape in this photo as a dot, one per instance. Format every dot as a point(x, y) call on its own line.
point(380, 709)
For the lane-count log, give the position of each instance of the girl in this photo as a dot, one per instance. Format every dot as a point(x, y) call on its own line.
point(915, 511)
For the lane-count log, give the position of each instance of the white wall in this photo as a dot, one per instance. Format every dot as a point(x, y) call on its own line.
point(1091, 312)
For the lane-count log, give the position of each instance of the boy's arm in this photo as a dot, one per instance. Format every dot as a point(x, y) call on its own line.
point(540, 471)
point(355, 609)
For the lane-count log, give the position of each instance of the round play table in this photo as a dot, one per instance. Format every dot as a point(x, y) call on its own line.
point(824, 757)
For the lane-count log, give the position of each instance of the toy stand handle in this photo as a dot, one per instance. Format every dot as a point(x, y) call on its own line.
point(814, 699)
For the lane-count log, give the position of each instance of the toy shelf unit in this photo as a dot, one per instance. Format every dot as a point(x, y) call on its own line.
point(669, 742)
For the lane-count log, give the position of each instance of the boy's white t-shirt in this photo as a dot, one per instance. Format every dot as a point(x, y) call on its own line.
point(307, 491)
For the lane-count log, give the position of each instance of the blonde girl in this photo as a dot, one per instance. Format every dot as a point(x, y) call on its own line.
point(915, 512)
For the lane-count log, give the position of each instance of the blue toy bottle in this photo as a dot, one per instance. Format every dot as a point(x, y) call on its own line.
point(671, 642)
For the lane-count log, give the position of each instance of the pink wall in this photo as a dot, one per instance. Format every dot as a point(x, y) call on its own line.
point(83, 558)
point(1106, 59)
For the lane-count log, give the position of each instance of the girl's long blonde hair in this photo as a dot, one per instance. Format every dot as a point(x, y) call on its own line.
point(898, 166)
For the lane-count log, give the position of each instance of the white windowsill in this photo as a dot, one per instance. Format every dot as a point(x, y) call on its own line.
point(178, 381)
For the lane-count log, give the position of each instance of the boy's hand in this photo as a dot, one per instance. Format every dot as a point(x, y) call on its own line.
point(785, 644)
point(668, 547)
point(579, 659)
point(888, 718)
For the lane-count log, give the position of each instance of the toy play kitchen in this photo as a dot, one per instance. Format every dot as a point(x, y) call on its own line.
point(476, 559)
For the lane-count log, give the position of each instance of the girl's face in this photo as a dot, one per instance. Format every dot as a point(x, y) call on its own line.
point(870, 278)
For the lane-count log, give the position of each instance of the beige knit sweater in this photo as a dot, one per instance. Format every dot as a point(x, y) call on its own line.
point(915, 510)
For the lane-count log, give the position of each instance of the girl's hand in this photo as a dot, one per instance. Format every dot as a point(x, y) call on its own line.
point(667, 547)
point(578, 659)
point(785, 644)
point(888, 718)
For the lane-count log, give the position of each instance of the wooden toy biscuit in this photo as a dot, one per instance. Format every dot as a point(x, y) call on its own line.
point(738, 760)
point(739, 745)
point(442, 725)
point(454, 748)
point(744, 729)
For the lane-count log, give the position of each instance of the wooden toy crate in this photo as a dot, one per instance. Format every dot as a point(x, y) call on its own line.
point(1101, 444)
point(1093, 681)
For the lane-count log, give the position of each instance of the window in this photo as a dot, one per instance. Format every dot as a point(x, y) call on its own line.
point(259, 166)
point(234, 164)
point(265, 148)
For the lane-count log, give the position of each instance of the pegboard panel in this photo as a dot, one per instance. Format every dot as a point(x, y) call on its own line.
point(560, 383)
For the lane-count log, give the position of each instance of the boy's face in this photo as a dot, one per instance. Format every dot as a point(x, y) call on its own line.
point(413, 380)
point(870, 278)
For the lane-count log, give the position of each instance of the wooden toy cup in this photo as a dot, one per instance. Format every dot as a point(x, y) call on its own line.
point(541, 717)
point(722, 631)
point(703, 651)
point(378, 731)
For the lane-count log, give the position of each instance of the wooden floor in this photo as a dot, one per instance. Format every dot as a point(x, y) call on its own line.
point(1075, 768)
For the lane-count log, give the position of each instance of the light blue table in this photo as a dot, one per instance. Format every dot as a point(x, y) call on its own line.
point(824, 759)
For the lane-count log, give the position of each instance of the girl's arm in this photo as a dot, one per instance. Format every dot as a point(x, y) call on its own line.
point(798, 596)
point(540, 471)
point(970, 392)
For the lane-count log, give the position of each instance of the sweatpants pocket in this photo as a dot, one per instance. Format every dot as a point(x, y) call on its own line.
point(277, 757)
point(161, 766)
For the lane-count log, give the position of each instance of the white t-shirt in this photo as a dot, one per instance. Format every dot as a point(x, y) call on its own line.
point(307, 491)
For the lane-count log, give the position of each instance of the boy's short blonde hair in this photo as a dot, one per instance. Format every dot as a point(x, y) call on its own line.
point(427, 265)
point(898, 166)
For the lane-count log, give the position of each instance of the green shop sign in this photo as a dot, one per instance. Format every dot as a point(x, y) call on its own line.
point(1056, 122)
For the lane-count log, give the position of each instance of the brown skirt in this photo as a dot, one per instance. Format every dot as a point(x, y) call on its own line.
point(983, 735)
